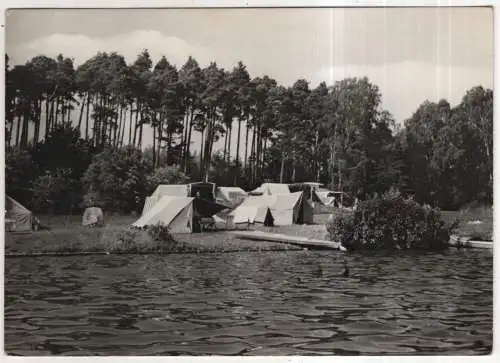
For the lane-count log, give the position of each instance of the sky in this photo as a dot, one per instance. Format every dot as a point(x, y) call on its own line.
point(411, 54)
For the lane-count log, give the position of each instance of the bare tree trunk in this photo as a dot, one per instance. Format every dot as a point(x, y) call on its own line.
point(154, 141)
point(130, 123)
point(238, 144)
point(118, 128)
point(69, 113)
point(282, 170)
point(24, 134)
point(63, 110)
point(18, 131)
point(188, 146)
point(202, 146)
point(229, 143)
point(136, 121)
point(47, 118)
point(246, 148)
point(38, 120)
point(87, 117)
point(185, 122)
point(80, 119)
point(252, 155)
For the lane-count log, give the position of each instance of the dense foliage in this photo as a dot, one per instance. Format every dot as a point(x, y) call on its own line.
point(390, 221)
point(76, 135)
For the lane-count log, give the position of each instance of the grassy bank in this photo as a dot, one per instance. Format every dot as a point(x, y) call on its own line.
point(67, 236)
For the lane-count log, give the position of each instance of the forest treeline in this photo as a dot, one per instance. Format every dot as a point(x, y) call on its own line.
point(86, 143)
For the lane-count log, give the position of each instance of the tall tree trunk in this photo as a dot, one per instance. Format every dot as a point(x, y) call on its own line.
point(238, 144)
point(36, 135)
point(18, 130)
point(160, 134)
point(124, 126)
point(47, 118)
point(80, 118)
point(138, 109)
point(184, 132)
point(224, 155)
point(87, 117)
point(282, 169)
point(118, 128)
point(294, 168)
point(141, 130)
point(246, 149)
point(63, 110)
point(252, 156)
point(26, 119)
point(153, 121)
point(263, 154)
point(202, 146)
point(188, 146)
point(69, 113)
point(229, 143)
point(130, 123)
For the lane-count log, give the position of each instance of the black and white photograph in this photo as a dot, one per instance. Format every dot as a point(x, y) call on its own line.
point(248, 181)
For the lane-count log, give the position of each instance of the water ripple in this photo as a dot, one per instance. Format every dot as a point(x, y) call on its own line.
point(293, 303)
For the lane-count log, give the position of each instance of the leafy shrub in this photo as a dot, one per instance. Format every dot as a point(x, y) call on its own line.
point(390, 222)
point(55, 192)
point(20, 172)
point(159, 232)
point(118, 179)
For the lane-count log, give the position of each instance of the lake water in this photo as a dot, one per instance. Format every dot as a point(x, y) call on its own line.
point(272, 303)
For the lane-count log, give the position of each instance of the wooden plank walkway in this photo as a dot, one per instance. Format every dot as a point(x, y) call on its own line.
point(283, 238)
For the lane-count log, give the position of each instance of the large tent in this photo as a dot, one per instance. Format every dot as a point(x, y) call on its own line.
point(201, 194)
point(271, 189)
point(201, 190)
point(18, 217)
point(230, 196)
point(286, 209)
point(174, 212)
point(172, 190)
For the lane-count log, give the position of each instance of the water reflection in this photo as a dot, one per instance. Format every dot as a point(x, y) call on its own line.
point(275, 303)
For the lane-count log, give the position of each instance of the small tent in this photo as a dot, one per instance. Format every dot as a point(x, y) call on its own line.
point(174, 212)
point(93, 217)
point(252, 214)
point(271, 189)
point(18, 217)
point(286, 209)
point(310, 190)
point(230, 196)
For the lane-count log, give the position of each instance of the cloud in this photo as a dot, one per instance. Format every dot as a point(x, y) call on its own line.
point(405, 85)
point(81, 47)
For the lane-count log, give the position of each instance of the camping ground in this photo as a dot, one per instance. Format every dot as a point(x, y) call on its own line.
point(67, 235)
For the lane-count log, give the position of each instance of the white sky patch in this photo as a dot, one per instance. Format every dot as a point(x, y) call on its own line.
point(405, 85)
point(81, 47)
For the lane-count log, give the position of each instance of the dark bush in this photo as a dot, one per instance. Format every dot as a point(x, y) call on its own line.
point(390, 221)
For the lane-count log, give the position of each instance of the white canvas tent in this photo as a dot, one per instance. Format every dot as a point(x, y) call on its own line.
point(172, 190)
point(230, 196)
point(18, 217)
point(174, 212)
point(148, 204)
point(252, 214)
point(285, 209)
point(271, 189)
